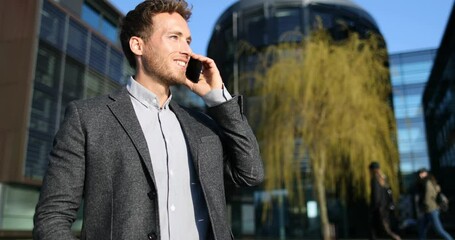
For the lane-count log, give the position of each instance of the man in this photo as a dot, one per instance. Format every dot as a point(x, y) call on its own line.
point(381, 203)
point(427, 207)
point(146, 167)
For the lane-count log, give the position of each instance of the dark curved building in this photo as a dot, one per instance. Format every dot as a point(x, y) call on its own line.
point(258, 24)
point(261, 23)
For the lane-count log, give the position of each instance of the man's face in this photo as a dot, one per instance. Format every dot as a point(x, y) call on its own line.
point(423, 174)
point(166, 52)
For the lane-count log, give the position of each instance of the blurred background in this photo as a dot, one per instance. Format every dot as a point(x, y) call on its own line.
point(56, 51)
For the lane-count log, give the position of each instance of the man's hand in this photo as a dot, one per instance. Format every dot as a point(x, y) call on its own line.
point(209, 79)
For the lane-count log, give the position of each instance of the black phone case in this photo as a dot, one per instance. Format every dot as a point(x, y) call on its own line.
point(193, 70)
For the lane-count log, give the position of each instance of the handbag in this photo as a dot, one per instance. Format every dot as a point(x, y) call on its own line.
point(442, 201)
point(389, 197)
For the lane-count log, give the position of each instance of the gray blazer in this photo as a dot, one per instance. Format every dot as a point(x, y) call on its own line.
point(100, 155)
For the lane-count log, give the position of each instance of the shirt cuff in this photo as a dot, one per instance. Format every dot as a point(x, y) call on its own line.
point(216, 97)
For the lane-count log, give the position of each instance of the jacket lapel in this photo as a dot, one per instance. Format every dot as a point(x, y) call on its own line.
point(123, 110)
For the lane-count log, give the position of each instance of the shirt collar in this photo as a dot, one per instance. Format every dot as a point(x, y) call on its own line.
point(145, 96)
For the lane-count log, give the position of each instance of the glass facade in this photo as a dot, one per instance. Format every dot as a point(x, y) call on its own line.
point(409, 74)
point(74, 64)
point(258, 24)
point(439, 113)
point(100, 23)
point(18, 207)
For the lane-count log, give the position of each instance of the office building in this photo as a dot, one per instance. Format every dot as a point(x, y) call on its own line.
point(439, 113)
point(52, 52)
point(409, 73)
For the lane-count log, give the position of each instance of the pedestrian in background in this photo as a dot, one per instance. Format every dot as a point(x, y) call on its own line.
point(381, 203)
point(428, 209)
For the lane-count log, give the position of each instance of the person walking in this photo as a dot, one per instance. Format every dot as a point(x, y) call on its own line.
point(381, 204)
point(428, 209)
point(145, 167)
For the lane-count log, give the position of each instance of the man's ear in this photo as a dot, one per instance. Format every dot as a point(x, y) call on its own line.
point(137, 45)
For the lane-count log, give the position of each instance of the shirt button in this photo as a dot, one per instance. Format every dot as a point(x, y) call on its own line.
point(152, 236)
point(171, 172)
point(151, 195)
point(172, 207)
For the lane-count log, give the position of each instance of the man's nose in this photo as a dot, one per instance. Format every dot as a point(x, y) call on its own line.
point(185, 48)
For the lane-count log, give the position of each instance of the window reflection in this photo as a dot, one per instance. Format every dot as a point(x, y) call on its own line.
point(64, 76)
point(77, 43)
point(109, 30)
point(43, 113)
point(97, 21)
point(255, 27)
point(410, 72)
point(288, 25)
point(52, 25)
point(91, 16)
point(94, 84)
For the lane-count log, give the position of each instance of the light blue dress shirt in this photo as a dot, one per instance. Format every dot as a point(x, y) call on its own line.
point(183, 212)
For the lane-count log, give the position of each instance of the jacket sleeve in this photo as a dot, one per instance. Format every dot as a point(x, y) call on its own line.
point(62, 188)
point(376, 194)
point(244, 163)
point(431, 192)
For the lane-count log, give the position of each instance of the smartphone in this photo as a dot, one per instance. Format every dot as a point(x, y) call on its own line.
point(193, 70)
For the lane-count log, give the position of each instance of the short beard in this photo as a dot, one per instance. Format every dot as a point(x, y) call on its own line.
point(154, 67)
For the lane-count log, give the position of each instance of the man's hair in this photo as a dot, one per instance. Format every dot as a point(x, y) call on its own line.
point(138, 22)
point(421, 170)
point(374, 165)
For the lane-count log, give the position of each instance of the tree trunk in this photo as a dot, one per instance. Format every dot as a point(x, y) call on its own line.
point(319, 172)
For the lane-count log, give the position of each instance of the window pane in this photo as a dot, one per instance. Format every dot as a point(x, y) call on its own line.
point(414, 112)
point(109, 30)
point(110, 86)
point(255, 29)
point(115, 66)
point(403, 135)
point(416, 66)
point(43, 113)
point(413, 100)
point(288, 25)
point(73, 79)
point(94, 85)
point(416, 77)
point(47, 67)
point(91, 16)
point(52, 25)
point(404, 147)
point(398, 102)
point(98, 50)
point(326, 18)
point(77, 42)
point(400, 113)
point(18, 208)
